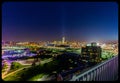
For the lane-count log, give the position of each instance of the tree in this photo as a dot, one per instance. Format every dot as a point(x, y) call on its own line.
point(15, 65)
point(33, 64)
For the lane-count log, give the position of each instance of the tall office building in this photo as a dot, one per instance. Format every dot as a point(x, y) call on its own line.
point(63, 40)
point(92, 52)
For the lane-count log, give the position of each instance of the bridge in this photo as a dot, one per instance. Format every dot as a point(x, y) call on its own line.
point(104, 71)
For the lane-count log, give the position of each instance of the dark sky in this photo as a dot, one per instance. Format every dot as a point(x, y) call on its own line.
point(49, 21)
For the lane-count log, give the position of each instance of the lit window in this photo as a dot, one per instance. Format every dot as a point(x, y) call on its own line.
point(84, 52)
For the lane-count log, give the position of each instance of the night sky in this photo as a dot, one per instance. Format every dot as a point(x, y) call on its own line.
point(49, 21)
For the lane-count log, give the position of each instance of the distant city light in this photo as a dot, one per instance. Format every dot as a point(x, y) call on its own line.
point(103, 45)
point(88, 44)
point(98, 44)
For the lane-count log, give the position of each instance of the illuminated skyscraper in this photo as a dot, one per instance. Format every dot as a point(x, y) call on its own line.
point(63, 40)
point(91, 52)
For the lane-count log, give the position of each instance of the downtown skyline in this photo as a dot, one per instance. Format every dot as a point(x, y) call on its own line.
point(49, 21)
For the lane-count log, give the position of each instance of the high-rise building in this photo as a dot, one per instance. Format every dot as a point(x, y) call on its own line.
point(91, 52)
point(63, 40)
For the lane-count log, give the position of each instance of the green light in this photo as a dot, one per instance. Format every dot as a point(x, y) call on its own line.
point(88, 44)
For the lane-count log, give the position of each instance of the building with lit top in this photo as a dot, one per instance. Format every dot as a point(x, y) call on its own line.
point(91, 52)
point(63, 40)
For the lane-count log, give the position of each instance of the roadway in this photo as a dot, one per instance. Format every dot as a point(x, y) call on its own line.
point(42, 62)
point(8, 68)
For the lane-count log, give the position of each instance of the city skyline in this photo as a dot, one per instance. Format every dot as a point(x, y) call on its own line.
point(49, 21)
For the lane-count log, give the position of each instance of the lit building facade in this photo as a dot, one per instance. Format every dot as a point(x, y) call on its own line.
point(92, 52)
point(63, 40)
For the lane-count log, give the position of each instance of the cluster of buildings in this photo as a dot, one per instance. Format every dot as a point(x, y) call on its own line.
point(90, 53)
point(89, 50)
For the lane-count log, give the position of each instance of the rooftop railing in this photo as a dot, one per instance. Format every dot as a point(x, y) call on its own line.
point(105, 71)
